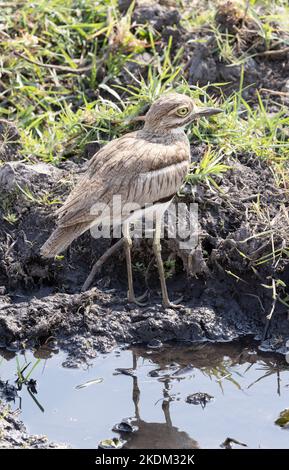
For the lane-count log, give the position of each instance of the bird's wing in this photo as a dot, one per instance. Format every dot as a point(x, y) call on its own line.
point(135, 169)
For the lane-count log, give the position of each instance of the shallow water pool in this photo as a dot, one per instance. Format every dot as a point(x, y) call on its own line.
point(244, 393)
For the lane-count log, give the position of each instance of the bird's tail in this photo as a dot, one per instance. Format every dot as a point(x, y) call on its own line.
point(61, 238)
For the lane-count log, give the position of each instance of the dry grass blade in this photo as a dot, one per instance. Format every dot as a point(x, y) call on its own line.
point(61, 68)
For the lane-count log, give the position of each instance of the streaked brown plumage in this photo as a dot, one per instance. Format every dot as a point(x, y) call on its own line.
point(143, 167)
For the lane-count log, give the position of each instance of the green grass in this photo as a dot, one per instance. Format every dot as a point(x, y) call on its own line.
point(60, 62)
point(59, 109)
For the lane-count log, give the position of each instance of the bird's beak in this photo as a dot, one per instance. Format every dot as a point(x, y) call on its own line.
point(205, 112)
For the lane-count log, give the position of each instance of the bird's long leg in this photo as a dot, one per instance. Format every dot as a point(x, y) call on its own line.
point(99, 263)
point(127, 248)
point(157, 252)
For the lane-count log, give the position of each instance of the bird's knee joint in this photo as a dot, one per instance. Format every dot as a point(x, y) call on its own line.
point(128, 242)
point(157, 247)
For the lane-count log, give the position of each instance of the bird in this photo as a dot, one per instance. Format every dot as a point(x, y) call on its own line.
point(145, 168)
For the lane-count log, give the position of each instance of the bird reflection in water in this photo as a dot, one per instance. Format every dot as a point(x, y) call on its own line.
point(155, 435)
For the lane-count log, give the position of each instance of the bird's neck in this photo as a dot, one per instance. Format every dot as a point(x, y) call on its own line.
point(164, 131)
point(178, 130)
point(164, 138)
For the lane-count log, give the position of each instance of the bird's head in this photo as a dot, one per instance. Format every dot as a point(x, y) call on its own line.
point(173, 111)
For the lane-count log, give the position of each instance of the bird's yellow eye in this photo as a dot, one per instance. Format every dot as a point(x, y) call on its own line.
point(183, 111)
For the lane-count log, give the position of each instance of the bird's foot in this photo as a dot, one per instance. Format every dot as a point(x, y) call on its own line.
point(137, 300)
point(175, 305)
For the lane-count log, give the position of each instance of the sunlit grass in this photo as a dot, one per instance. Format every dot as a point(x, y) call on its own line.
point(59, 111)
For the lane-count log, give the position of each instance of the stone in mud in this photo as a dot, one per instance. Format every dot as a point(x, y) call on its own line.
point(199, 398)
point(208, 63)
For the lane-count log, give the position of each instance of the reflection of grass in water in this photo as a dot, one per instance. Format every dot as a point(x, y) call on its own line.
point(270, 368)
point(21, 379)
point(26, 380)
point(223, 372)
point(220, 373)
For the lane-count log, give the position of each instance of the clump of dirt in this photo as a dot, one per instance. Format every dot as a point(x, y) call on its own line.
point(28, 196)
point(165, 19)
point(229, 17)
point(25, 191)
point(247, 34)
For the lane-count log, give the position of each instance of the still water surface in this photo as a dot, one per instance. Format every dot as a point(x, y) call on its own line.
point(250, 389)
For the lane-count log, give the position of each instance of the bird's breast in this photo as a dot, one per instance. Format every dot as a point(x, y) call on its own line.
point(154, 185)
